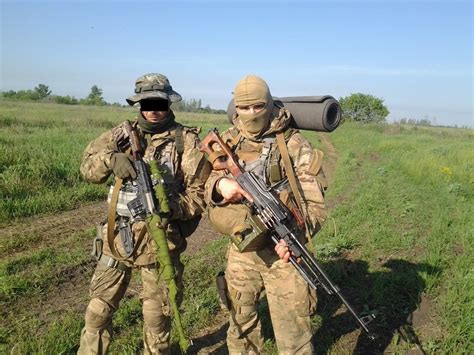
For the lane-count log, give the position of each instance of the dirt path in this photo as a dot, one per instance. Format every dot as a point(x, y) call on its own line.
point(44, 231)
point(48, 229)
point(38, 232)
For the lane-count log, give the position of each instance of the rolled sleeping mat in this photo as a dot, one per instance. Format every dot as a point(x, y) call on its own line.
point(312, 113)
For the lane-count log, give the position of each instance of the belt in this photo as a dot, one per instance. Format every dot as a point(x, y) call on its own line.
point(112, 263)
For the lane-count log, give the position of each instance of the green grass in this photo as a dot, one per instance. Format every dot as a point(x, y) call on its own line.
point(404, 213)
point(58, 337)
point(37, 271)
point(199, 306)
point(400, 230)
point(30, 334)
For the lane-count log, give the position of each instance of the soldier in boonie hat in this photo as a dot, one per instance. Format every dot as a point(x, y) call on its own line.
point(124, 243)
point(153, 86)
point(153, 95)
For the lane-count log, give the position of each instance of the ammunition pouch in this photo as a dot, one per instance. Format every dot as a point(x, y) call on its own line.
point(236, 221)
point(253, 238)
point(108, 261)
point(98, 243)
point(128, 192)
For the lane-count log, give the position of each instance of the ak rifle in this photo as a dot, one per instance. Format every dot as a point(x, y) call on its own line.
point(277, 218)
point(152, 205)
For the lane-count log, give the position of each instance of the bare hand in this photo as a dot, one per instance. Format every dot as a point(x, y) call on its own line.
point(231, 190)
point(282, 250)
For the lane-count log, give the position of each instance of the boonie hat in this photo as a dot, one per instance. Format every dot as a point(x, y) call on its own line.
point(153, 86)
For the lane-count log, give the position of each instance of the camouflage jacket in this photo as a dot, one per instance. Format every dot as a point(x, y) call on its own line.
point(184, 173)
point(307, 165)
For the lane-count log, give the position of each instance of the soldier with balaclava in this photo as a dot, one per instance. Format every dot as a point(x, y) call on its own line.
point(259, 134)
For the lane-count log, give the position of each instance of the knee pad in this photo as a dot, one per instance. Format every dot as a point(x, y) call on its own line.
point(98, 315)
point(244, 304)
point(153, 316)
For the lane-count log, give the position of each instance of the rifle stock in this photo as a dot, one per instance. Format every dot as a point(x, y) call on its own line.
point(221, 159)
point(277, 218)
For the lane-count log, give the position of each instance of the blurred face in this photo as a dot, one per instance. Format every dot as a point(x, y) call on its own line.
point(155, 116)
point(154, 111)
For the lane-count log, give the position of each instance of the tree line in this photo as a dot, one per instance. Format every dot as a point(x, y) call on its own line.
point(194, 105)
point(43, 93)
point(355, 107)
point(415, 122)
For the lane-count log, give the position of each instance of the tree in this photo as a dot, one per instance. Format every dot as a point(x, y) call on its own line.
point(42, 91)
point(363, 108)
point(95, 97)
point(21, 95)
point(67, 100)
point(11, 94)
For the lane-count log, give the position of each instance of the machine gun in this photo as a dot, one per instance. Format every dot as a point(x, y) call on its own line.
point(277, 218)
point(152, 205)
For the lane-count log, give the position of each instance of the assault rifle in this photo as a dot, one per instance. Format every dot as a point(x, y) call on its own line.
point(277, 218)
point(152, 205)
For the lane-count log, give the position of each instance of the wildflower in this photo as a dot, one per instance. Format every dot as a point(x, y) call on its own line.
point(447, 173)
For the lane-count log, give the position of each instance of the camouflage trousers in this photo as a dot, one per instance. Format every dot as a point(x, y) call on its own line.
point(289, 300)
point(107, 288)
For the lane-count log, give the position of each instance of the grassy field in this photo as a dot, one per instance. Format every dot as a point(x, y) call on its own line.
point(398, 239)
point(40, 151)
point(403, 207)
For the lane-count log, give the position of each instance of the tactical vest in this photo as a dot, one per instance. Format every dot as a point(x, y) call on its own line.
point(163, 153)
point(250, 234)
point(267, 165)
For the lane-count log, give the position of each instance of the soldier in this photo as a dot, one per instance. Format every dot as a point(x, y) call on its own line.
point(185, 171)
point(259, 135)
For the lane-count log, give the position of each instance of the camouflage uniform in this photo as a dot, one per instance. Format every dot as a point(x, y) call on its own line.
point(249, 273)
point(185, 172)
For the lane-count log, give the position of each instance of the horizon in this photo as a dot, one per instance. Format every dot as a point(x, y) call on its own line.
point(415, 55)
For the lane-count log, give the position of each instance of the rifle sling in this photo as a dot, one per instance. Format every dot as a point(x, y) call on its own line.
point(292, 180)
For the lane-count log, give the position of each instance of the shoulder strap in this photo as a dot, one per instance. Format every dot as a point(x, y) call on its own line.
point(289, 169)
point(111, 219)
point(292, 180)
point(235, 140)
point(179, 140)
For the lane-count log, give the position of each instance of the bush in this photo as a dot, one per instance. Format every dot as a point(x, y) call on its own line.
point(363, 108)
point(21, 95)
point(66, 100)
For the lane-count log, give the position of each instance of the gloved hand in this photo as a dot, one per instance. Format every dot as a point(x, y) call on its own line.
point(121, 165)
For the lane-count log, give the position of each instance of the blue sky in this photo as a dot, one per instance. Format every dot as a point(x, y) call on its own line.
point(416, 55)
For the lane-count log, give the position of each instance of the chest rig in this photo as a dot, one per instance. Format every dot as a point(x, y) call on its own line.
point(167, 151)
point(269, 160)
point(264, 163)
